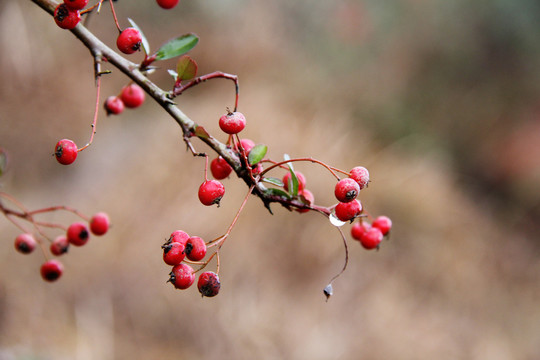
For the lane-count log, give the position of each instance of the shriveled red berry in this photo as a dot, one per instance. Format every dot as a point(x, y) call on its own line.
point(60, 245)
point(99, 223)
point(346, 190)
point(384, 223)
point(173, 253)
point(220, 168)
point(65, 151)
point(132, 96)
point(361, 175)
point(182, 276)
point(113, 105)
point(129, 40)
point(167, 4)
point(76, 4)
point(25, 243)
point(308, 197)
point(66, 18)
point(195, 248)
point(371, 238)
point(348, 211)
point(232, 123)
point(51, 270)
point(359, 229)
point(78, 234)
point(211, 192)
point(287, 181)
point(179, 236)
point(209, 284)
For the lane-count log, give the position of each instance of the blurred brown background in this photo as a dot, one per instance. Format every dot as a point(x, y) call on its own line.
point(440, 100)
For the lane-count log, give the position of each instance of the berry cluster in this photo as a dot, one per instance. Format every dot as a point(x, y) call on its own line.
point(371, 234)
point(181, 251)
point(68, 14)
point(76, 234)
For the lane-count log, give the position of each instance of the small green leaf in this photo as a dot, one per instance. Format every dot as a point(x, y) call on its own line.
point(3, 161)
point(273, 181)
point(145, 44)
point(176, 47)
point(277, 192)
point(257, 154)
point(293, 181)
point(186, 68)
point(201, 133)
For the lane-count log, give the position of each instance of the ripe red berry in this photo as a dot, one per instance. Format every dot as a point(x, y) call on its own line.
point(182, 276)
point(384, 223)
point(308, 197)
point(77, 234)
point(346, 190)
point(371, 238)
point(247, 145)
point(209, 284)
point(66, 18)
point(65, 151)
point(129, 40)
point(132, 96)
point(220, 168)
point(113, 105)
point(359, 229)
point(179, 236)
point(195, 248)
point(287, 181)
point(167, 4)
point(99, 223)
point(348, 211)
point(173, 253)
point(60, 245)
point(361, 175)
point(76, 4)
point(232, 123)
point(51, 270)
point(211, 192)
point(25, 243)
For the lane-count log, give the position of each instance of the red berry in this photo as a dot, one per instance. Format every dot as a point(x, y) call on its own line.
point(371, 238)
point(346, 190)
point(361, 175)
point(51, 270)
point(220, 168)
point(65, 151)
point(25, 243)
point(60, 245)
point(209, 284)
point(247, 145)
point(182, 276)
point(232, 123)
point(99, 223)
point(308, 197)
point(132, 95)
point(167, 4)
point(77, 234)
point(114, 105)
point(287, 181)
point(348, 211)
point(173, 253)
point(76, 4)
point(195, 248)
point(129, 40)
point(359, 229)
point(65, 17)
point(383, 223)
point(257, 169)
point(211, 192)
point(179, 236)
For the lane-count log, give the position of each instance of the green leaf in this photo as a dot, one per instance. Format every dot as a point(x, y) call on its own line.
point(186, 68)
point(273, 181)
point(277, 192)
point(257, 154)
point(201, 133)
point(176, 47)
point(145, 44)
point(3, 161)
point(293, 181)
